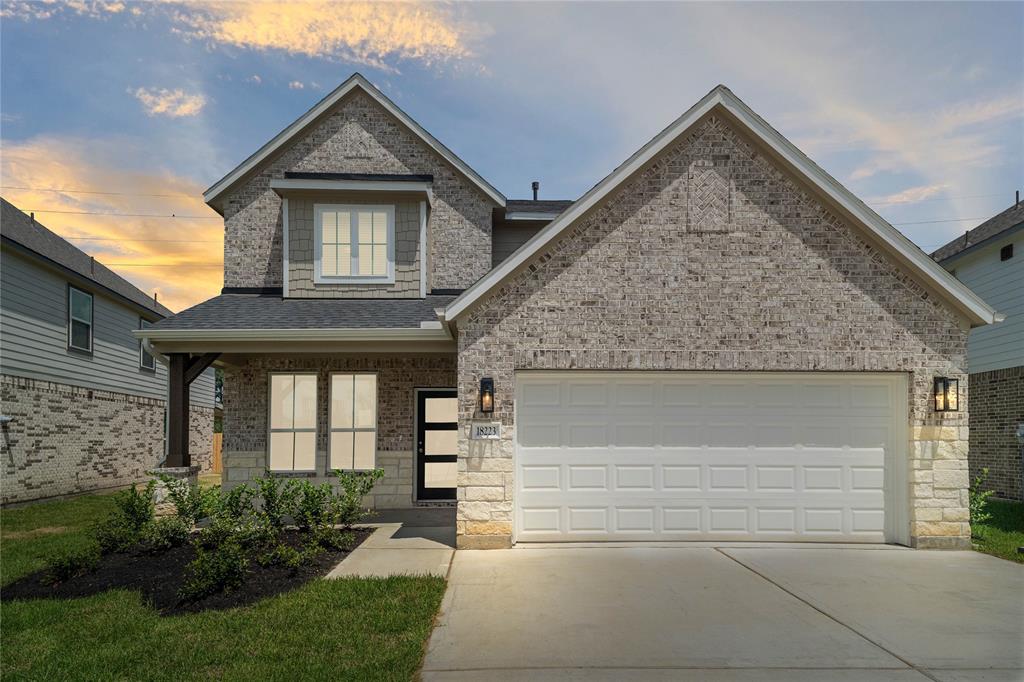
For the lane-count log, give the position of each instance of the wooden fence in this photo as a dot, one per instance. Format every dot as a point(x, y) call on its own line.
point(217, 463)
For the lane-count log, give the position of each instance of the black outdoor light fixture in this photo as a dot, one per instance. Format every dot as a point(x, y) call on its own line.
point(487, 395)
point(947, 394)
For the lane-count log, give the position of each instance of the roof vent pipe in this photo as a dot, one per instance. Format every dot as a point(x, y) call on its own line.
point(536, 186)
point(1017, 200)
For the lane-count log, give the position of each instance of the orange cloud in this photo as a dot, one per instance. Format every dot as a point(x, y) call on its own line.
point(179, 258)
point(173, 103)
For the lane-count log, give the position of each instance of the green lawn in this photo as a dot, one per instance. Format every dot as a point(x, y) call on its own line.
point(1002, 534)
point(326, 630)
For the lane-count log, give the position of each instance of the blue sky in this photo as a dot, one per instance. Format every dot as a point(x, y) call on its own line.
point(917, 108)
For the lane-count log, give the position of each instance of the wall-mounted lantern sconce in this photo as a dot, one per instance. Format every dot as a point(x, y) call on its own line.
point(947, 394)
point(487, 395)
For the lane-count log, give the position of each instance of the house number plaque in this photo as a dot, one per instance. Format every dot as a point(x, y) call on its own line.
point(485, 431)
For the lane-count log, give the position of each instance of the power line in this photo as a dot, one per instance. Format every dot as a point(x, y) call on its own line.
point(128, 215)
point(163, 265)
point(951, 220)
point(921, 201)
point(109, 194)
point(115, 239)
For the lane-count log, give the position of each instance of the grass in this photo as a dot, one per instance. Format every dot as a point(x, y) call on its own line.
point(360, 629)
point(1002, 534)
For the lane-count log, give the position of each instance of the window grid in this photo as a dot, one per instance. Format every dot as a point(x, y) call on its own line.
point(80, 318)
point(355, 243)
point(333, 458)
point(293, 430)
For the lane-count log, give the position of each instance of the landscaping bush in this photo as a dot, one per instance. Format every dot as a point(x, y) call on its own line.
point(74, 563)
point(214, 570)
point(329, 537)
point(277, 498)
point(161, 535)
point(314, 506)
point(978, 501)
point(191, 502)
point(353, 486)
point(133, 510)
point(235, 504)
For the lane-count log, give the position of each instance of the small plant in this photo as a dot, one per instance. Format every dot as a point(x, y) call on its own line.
point(280, 555)
point(165, 534)
point(276, 498)
point(133, 510)
point(72, 564)
point(314, 506)
point(191, 502)
point(978, 502)
point(329, 537)
point(217, 570)
point(235, 504)
point(353, 486)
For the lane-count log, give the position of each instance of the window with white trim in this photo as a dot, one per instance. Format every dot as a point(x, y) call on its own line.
point(292, 441)
point(354, 243)
point(146, 361)
point(79, 319)
point(353, 443)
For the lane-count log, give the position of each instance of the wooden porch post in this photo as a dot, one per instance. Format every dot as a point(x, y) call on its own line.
point(182, 370)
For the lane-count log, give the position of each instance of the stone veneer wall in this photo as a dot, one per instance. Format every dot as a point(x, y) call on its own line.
point(997, 410)
point(64, 440)
point(358, 136)
point(301, 247)
point(246, 391)
point(713, 259)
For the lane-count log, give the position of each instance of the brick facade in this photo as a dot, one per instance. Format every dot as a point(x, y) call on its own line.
point(246, 392)
point(64, 440)
point(359, 136)
point(711, 258)
point(997, 411)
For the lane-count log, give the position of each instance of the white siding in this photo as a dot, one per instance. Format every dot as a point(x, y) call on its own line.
point(33, 341)
point(1001, 285)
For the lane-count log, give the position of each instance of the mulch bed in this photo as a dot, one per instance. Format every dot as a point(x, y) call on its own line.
point(159, 578)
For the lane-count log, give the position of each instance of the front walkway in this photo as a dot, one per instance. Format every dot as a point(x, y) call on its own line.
point(406, 542)
point(729, 613)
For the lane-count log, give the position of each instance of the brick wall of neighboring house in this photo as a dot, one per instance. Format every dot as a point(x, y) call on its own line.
point(64, 440)
point(997, 410)
point(713, 259)
point(301, 247)
point(359, 137)
point(246, 391)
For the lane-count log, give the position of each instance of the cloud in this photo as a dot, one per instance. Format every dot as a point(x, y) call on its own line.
point(180, 258)
point(173, 103)
point(357, 32)
point(254, 79)
point(911, 195)
point(27, 10)
point(296, 85)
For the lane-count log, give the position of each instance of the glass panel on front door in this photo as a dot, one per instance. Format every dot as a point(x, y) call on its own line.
point(437, 442)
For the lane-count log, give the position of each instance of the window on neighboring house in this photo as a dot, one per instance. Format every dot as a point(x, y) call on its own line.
point(1006, 253)
point(292, 422)
point(353, 443)
point(79, 319)
point(354, 243)
point(146, 361)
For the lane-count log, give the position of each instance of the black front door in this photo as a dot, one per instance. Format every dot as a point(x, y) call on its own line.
point(437, 442)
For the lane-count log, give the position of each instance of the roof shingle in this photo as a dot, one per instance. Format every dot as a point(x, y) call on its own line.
point(1011, 217)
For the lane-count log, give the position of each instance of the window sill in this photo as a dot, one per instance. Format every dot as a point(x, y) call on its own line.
point(354, 280)
point(288, 473)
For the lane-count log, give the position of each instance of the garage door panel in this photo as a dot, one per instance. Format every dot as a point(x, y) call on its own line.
point(629, 456)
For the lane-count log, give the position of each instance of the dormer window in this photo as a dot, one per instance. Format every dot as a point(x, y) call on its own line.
point(355, 243)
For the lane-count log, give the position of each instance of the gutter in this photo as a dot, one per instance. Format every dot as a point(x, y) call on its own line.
point(368, 334)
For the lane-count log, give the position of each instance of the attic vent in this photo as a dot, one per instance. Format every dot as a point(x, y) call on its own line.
point(1006, 253)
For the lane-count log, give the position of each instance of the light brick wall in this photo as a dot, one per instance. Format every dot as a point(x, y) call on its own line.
point(65, 440)
point(997, 410)
point(245, 415)
point(713, 259)
point(359, 136)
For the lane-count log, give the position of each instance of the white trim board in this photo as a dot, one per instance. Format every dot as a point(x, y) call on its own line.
point(356, 81)
point(721, 97)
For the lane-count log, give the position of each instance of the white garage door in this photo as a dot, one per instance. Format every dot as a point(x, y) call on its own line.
point(710, 456)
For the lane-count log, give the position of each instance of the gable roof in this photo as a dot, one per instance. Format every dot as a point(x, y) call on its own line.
point(355, 82)
point(32, 237)
point(990, 229)
point(722, 99)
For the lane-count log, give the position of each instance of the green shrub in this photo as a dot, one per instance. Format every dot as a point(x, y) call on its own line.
point(72, 564)
point(353, 486)
point(314, 505)
point(133, 510)
point(235, 504)
point(214, 570)
point(978, 502)
point(164, 534)
point(277, 497)
point(191, 502)
point(329, 537)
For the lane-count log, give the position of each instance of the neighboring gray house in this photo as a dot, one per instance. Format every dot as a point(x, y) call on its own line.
point(717, 341)
point(82, 402)
point(990, 260)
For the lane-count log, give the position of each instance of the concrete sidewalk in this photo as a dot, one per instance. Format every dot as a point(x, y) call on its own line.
point(400, 549)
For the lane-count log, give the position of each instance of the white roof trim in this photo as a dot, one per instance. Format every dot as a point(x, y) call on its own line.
point(897, 244)
point(356, 81)
point(530, 215)
point(297, 185)
point(363, 334)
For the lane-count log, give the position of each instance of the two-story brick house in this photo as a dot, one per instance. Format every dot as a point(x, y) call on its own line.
point(717, 341)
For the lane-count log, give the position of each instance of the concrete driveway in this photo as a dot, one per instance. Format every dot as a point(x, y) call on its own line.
point(729, 613)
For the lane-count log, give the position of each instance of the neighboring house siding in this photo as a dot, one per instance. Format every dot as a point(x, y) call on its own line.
point(713, 259)
point(508, 238)
point(1001, 285)
point(33, 315)
point(245, 415)
point(302, 251)
point(358, 136)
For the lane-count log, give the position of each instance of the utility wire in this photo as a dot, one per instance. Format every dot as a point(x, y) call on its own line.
point(115, 239)
point(126, 215)
point(109, 194)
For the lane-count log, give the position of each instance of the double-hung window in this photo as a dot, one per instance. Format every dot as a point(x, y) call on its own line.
point(354, 243)
point(292, 422)
point(79, 319)
point(353, 443)
point(146, 360)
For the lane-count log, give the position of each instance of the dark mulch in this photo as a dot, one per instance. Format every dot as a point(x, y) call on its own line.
point(159, 578)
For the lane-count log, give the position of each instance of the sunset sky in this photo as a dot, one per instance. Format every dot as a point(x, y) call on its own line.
point(138, 107)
